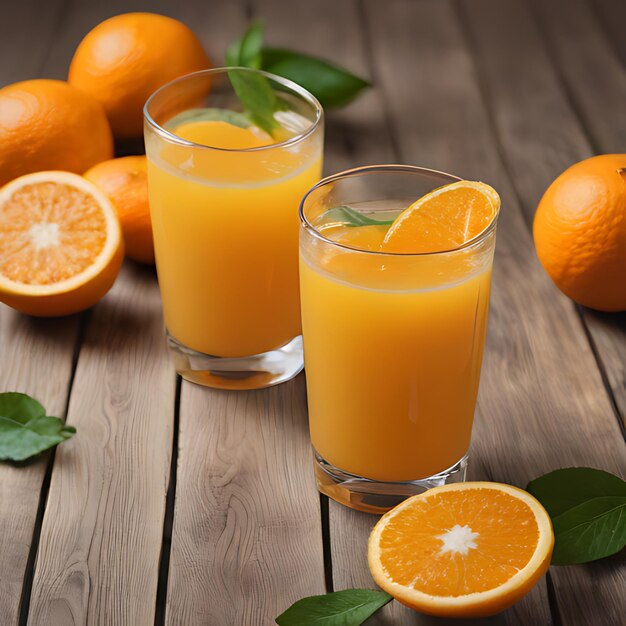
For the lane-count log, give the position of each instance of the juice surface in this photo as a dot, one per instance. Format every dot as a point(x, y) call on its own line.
point(393, 349)
point(226, 237)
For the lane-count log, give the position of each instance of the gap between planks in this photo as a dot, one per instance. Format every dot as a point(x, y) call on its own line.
point(29, 573)
point(168, 521)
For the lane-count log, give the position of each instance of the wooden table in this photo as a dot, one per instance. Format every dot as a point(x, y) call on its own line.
point(180, 505)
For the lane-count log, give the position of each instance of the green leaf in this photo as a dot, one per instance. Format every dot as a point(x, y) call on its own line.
point(349, 217)
point(331, 85)
point(246, 51)
point(341, 608)
point(210, 115)
point(257, 97)
point(590, 531)
point(563, 489)
point(25, 429)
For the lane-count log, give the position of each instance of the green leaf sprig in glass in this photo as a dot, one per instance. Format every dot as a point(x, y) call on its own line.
point(331, 85)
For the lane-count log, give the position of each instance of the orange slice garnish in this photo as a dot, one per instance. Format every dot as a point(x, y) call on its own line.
point(443, 219)
point(60, 244)
point(462, 550)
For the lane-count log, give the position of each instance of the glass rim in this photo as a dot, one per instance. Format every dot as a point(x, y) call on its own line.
point(391, 167)
point(285, 82)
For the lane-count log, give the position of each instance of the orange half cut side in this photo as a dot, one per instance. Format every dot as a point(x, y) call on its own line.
point(462, 550)
point(443, 219)
point(61, 246)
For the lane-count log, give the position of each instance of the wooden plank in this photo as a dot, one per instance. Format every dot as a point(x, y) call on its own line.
point(540, 136)
point(592, 73)
point(102, 530)
point(36, 354)
point(579, 47)
point(247, 538)
point(36, 359)
point(533, 331)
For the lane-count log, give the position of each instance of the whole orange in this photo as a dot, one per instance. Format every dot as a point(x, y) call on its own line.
point(50, 125)
point(123, 60)
point(580, 232)
point(124, 181)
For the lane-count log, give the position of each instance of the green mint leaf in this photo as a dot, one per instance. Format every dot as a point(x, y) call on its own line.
point(590, 531)
point(208, 114)
point(246, 51)
point(341, 608)
point(350, 217)
point(25, 429)
point(564, 489)
point(331, 85)
point(257, 97)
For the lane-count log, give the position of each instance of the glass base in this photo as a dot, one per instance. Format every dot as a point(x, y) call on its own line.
point(373, 496)
point(249, 372)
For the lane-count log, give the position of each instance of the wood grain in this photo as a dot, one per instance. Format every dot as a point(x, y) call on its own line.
point(597, 97)
point(101, 536)
point(592, 73)
point(247, 540)
point(36, 354)
point(595, 83)
point(36, 359)
point(540, 136)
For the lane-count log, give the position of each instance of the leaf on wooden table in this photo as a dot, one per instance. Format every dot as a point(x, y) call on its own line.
point(563, 489)
point(25, 429)
point(350, 607)
point(590, 531)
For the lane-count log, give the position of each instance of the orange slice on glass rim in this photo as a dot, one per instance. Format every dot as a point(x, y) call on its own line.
point(61, 246)
point(443, 219)
point(462, 550)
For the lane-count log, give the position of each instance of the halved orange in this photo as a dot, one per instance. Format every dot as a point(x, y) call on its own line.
point(61, 246)
point(462, 550)
point(443, 219)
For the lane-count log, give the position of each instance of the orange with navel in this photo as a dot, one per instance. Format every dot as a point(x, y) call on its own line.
point(580, 232)
point(48, 124)
point(125, 183)
point(124, 59)
point(61, 246)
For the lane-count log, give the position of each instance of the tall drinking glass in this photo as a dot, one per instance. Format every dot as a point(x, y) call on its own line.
point(224, 198)
point(393, 343)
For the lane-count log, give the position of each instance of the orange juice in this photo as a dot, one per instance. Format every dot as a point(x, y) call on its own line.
point(393, 346)
point(226, 235)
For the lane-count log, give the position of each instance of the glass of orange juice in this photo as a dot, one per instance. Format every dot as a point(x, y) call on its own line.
point(225, 184)
point(393, 341)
